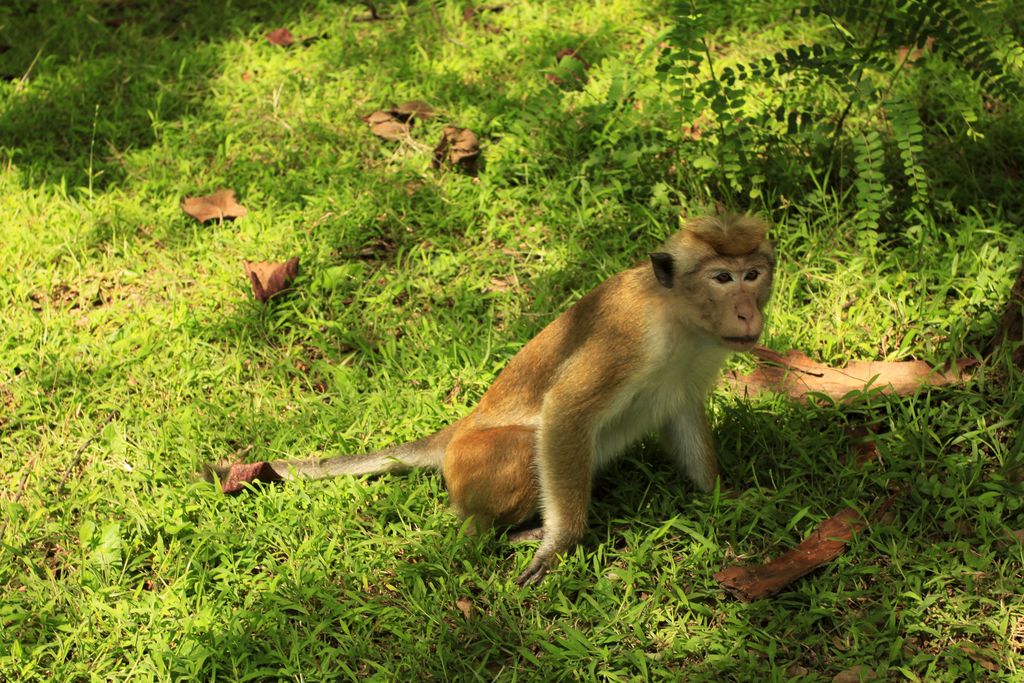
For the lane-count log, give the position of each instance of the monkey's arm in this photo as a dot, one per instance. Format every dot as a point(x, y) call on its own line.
point(687, 438)
point(565, 453)
point(570, 420)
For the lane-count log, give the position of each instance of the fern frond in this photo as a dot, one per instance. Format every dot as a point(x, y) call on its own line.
point(909, 135)
point(871, 193)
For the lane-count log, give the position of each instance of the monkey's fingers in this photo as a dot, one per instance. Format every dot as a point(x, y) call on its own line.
point(533, 574)
point(543, 560)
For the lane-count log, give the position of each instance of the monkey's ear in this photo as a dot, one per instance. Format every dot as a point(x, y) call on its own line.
point(664, 268)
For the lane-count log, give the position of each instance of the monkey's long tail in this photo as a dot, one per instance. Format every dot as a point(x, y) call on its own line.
point(425, 452)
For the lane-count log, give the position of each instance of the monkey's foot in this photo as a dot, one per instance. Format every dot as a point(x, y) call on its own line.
point(527, 535)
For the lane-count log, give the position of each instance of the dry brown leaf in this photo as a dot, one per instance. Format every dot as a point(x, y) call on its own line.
point(855, 674)
point(234, 477)
point(269, 278)
point(280, 36)
point(412, 109)
point(396, 123)
point(465, 606)
point(825, 543)
point(391, 130)
point(458, 146)
point(220, 205)
point(796, 375)
point(984, 657)
point(385, 125)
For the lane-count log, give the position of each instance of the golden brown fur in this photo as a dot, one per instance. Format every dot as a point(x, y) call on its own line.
point(636, 354)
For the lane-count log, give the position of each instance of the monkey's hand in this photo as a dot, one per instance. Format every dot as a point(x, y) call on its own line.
point(544, 559)
point(537, 569)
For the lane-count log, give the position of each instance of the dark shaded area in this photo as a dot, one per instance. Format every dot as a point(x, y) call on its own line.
point(1011, 325)
point(108, 73)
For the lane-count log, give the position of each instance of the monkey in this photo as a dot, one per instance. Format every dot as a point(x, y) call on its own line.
point(637, 354)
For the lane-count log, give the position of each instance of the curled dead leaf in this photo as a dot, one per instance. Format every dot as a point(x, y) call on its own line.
point(281, 37)
point(235, 476)
point(458, 146)
point(465, 606)
point(827, 542)
point(797, 376)
point(220, 205)
point(269, 278)
point(396, 123)
point(385, 125)
point(243, 473)
point(417, 109)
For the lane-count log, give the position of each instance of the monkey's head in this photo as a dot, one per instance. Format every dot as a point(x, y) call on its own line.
point(717, 274)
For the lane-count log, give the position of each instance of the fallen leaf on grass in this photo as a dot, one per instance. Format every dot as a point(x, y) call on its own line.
point(234, 477)
point(465, 606)
point(796, 375)
point(396, 123)
point(268, 277)
point(385, 124)
point(413, 109)
point(220, 205)
point(458, 146)
point(280, 36)
point(827, 542)
point(984, 657)
point(855, 674)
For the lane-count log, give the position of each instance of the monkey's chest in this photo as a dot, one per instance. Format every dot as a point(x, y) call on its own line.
point(639, 413)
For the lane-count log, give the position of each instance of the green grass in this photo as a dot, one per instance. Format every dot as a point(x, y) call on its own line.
point(132, 352)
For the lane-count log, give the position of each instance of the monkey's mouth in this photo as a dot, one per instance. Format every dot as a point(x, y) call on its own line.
point(742, 341)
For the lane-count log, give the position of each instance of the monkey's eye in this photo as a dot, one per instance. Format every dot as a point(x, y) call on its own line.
point(723, 277)
point(751, 275)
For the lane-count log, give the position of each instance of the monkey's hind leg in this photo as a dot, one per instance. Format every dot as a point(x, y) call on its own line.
point(490, 477)
point(527, 535)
